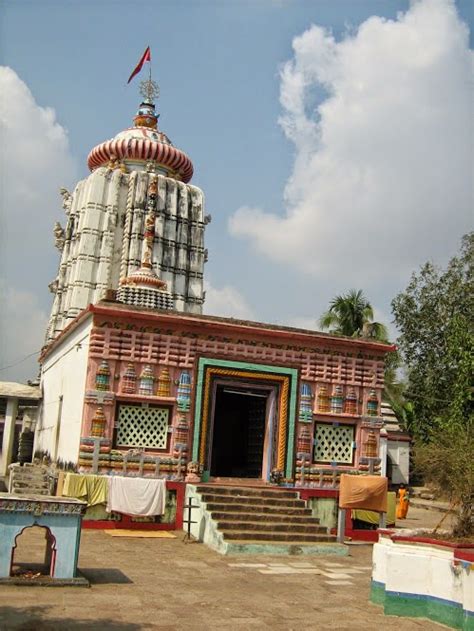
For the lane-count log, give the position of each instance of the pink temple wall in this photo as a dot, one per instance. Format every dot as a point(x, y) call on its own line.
point(120, 342)
point(117, 370)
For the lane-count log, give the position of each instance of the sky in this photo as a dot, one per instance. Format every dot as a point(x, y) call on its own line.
point(333, 140)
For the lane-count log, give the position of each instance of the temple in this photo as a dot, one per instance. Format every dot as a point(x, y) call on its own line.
point(136, 380)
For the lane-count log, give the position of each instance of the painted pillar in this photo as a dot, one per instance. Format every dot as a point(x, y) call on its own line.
point(169, 236)
point(160, 219)
point(8, 435)
point(127, 229)
point(383, 452)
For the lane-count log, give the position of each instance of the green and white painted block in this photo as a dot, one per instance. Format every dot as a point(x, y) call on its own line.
point(416, 579)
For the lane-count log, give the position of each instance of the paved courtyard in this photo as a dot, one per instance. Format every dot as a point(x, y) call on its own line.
point(168, 585)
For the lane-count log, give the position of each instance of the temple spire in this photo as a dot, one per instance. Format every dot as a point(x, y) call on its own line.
point(146, 115)
point(149, 90)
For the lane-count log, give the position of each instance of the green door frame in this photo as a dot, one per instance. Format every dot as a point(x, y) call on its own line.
point(288, 381)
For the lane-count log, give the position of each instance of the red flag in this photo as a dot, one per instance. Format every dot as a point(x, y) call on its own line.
point(145, 57)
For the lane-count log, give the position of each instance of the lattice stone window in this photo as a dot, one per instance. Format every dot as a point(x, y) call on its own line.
point(139, 426)
point(334, 443)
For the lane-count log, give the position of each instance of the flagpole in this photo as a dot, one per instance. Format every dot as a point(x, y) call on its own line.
point(149, 68)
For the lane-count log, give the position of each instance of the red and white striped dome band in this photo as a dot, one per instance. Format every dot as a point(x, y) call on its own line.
point(141, 149)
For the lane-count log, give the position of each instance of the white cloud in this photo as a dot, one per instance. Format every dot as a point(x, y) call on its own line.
point(303, 322)
point(35, 161)
point(226, 302)
point(22, 332)
point(381, 177)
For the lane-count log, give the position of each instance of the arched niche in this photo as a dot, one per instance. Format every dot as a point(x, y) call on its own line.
point(34, 549)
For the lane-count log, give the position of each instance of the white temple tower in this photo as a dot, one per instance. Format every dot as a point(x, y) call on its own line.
point(135, 226)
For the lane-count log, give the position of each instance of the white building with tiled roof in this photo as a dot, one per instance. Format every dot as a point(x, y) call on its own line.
point(398, 447)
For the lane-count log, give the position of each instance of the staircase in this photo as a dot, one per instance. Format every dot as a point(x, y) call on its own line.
point(237, 520)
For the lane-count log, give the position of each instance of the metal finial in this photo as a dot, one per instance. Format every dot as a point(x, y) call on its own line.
point(149, 90)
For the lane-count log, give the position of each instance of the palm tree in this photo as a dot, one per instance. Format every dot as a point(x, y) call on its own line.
point(351, 314)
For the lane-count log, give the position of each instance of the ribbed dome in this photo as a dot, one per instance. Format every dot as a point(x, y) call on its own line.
point(143, 143)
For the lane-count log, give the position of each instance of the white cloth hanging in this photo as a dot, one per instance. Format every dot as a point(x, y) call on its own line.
point(142, 497)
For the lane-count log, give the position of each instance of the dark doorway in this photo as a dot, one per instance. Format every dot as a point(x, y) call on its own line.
point(239, 432)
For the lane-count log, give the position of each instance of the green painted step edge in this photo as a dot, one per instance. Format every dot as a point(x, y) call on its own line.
point(420, 606)
point(289, 549)
point(377, 593)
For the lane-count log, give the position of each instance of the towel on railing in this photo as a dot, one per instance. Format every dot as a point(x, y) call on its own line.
point(87, 487)
point(368, 492)
point(141, 497)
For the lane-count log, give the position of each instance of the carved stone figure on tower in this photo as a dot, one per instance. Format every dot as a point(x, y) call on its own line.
point(53, 285)
point(67, 199)
point(59, 236)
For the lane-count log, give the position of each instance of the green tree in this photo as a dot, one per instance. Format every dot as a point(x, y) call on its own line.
point(435, 316)
point(351, 314)
point(447, 457)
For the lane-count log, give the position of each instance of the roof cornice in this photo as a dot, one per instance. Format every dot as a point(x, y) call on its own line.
point(225, 326)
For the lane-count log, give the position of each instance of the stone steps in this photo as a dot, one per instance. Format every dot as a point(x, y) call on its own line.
point(249, 518)
point(252, 535)
point(272, 527)
point(247, 491)
point(255, 508)
point(274, 517)
point(248, 500)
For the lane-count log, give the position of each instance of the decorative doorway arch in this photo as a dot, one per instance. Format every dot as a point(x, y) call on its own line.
point(285, 378)
point(50, 549)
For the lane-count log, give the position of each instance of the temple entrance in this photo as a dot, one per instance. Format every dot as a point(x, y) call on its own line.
point(244, 419)
point(238, 431)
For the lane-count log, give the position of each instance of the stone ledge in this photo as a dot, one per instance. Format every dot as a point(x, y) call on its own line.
point(46, 581)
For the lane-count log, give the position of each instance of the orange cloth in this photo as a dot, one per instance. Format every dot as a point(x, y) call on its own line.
point(363, 491)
